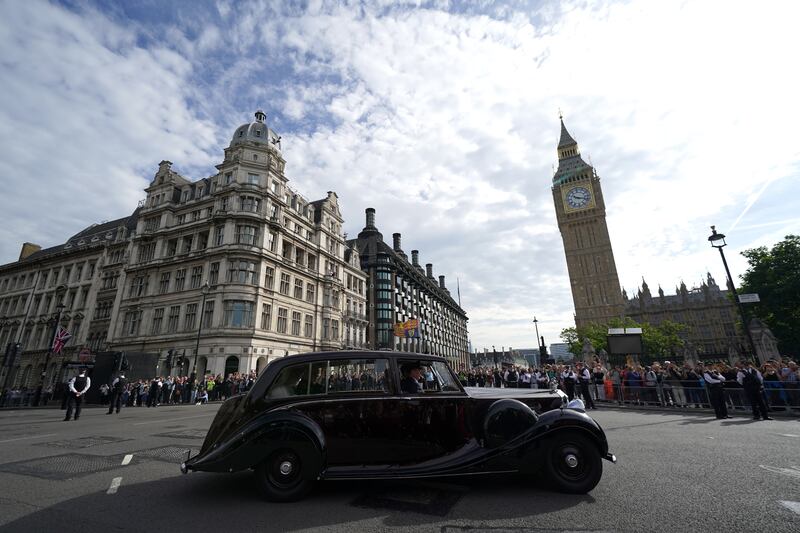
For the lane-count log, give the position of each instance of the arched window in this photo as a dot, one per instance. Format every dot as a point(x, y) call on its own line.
point(231, 365)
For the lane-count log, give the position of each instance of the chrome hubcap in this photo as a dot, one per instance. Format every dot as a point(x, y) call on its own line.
point(285, 468)
point(571, 460)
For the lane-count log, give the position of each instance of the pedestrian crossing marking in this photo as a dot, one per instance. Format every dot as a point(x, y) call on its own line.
point(127, 459)
point(791, 472)
point(792, 506)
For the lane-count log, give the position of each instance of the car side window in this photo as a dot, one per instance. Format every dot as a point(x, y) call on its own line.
point(293, 380)
point(358, 375)
point(424, 377)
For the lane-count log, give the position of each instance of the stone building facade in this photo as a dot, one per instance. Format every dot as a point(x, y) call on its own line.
point(399, 290)
point(581, 216)
point(707, 311)
point(258, 270)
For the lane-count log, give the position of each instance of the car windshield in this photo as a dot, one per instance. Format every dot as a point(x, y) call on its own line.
point(445, 377)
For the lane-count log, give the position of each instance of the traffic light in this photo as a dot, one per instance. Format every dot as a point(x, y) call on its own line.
point(125, 365)
point(170, 354)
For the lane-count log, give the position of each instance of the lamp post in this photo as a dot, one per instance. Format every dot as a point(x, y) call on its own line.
point(717, 240)
point(536, 325)
point(204, 289)
point(60, 290)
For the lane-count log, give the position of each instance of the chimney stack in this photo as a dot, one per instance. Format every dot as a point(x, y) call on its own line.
point(370, 217)
point(396, 242)
point(441, 282)
point(429, 270)
point(415, 257)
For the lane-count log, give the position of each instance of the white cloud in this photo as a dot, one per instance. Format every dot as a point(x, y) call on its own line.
point(445, 122)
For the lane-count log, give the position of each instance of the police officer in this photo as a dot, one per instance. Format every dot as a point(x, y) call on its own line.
point(568, 376)
point(77, 387)
point(117, 388)
point(583, 379)
point(714, 381)
point(753, 383)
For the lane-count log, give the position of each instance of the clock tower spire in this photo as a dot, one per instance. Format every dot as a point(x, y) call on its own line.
point(581, 216)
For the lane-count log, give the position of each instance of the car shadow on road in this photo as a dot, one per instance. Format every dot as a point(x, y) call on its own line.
point(199, 498)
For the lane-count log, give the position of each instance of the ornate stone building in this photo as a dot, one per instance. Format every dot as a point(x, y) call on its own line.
point(707, 311)
point(399, 291)
point(258, 269)
point(581, 216)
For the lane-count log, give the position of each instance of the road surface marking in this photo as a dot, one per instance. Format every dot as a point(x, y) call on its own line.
point(127, 459)
point(792, 506)
point(787, 435)
point(32, 437)
point(172, 419)
point(791, 472)
point(115, 483)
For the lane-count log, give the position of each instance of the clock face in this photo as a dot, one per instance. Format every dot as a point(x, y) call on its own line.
point(578, 197)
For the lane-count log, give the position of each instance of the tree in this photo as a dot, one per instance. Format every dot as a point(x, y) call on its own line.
point(775, 276)
point(657, 341)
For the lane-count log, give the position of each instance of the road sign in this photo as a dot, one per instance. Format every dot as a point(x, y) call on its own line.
point(749, 298)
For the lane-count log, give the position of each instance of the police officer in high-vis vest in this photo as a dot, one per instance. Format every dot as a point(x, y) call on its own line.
point(117, 388)
point(77, 387)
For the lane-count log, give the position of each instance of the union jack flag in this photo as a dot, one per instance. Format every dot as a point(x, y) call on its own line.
point(60, 339)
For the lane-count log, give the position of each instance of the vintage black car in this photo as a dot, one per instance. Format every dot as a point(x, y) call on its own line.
point(388, 415)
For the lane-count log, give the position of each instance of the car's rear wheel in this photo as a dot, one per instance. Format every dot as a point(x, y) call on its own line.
point(573, 463)
point(281, 477)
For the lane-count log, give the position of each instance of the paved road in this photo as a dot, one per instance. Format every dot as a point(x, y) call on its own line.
point(677, 472)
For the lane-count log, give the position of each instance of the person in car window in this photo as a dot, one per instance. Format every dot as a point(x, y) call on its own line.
point(412, 373)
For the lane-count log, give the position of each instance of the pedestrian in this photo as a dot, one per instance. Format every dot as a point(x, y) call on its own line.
point(77, 387)
point(584, 377)
point(118, 387)
point(715, 381)
point(753, 383)
point(569, 382)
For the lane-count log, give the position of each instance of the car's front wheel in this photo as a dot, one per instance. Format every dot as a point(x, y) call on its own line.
point(281, 477)
point(573, 463)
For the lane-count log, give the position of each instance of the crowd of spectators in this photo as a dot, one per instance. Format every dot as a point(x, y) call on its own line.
point(172, 390)
point(660, 384)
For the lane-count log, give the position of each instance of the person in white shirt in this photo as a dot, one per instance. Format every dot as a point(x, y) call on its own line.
point(568, 377)
point(584, 376)
point(714, 382)
point(77, 389)
point(753, 383)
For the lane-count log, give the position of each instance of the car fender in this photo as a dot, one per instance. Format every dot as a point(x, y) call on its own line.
point(551, 423)
point(262, 436)
point(506, 420)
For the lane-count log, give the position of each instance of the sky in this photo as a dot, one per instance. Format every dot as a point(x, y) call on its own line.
point(443, 116)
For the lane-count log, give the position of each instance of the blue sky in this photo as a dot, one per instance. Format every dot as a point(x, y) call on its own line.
point(443, 116)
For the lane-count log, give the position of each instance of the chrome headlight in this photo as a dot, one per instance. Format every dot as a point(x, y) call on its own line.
point(576, 404)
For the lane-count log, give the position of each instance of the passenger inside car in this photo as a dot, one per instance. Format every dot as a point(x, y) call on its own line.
point(410, 380)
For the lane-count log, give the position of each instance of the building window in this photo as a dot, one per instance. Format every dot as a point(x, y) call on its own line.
point(310, 293)
point(246, 234)
point(242, 272)
point(130, 324)
point(309, 326)
point(146, 252)
point(285, 284)
point(187, 243)
point(208, 314)
point(298, 289)
point(326, 326)
point(228, 178)
point(197, 277)
point(213, 274)
point(283, 315)
point(250, 204)
point(295, 323)
point(190, 317)
point(335, 330)
point(219, 235)
point(266, 316)
point(238, 314)
point(172, 320)
point(271, 240)
point(158, 318)
point(138, 287)
point(269, 278)
point(163, 285)
point(172, 247)
point(253, 178)
point(202, 240)
point(180, 278)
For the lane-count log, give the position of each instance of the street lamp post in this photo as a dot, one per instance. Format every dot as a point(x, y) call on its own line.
point(717, 240)
point(204, 289)
point(60, 290)
point(536, 325)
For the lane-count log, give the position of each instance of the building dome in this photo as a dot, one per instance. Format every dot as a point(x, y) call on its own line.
point(256, 132)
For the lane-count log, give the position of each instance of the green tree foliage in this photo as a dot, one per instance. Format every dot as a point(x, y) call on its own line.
point(657, 341)
point(775, 276)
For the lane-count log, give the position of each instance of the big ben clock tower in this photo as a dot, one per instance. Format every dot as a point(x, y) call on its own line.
point(581, 215)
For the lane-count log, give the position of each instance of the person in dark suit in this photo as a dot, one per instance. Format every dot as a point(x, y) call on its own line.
point(753, 383)
point(411, 382)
